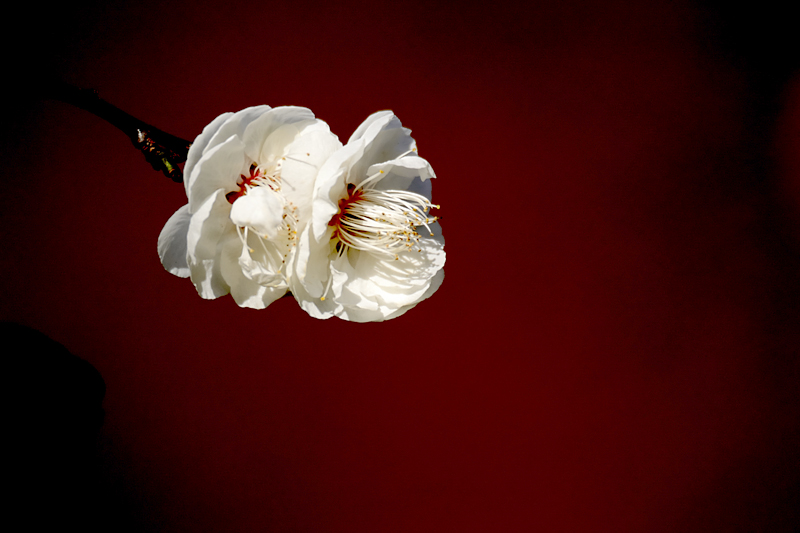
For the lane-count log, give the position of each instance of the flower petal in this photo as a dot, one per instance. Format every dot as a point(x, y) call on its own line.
point(410, 173)
point(199, 145)
point(263, 261)
point(380, 117)
point(219, 168)
point(245, 291)
point(310, 266)
point(315, 307)
point(207, 229)
point(330, 186)
point(260, 209)
point(304, 157)
point(259, 130)
point(172, 243)
point(237, 124)
point(384, 139)
point(415, 265)
point(436, 282)
point(410, 166)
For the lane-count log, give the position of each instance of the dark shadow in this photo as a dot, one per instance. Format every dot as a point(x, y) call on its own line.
point(55, 414)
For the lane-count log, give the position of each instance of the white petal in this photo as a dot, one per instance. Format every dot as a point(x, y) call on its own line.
point(237, 124)
point(261, 273)
point(409, 166)
point(435, 283)
point(209, 227)
point(355, 308)
point(315, 307)
point(262, 261)
point(425, 263)
point(380, 117)
point(199, 145)
point(409, 266)
point(371, 282)
point(260, 209)
point(310, 265)
point(350, 290)
point(303, 159)
point(384, 140)
point(274, 145)
point(219, 168)
point(172, 243)
point(245, 292)
point(208, 280)
point(259, 130)
point(374, 288)
point(412, 175)
point(330, 186)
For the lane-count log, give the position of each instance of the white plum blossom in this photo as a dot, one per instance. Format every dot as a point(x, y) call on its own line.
point(249, 178)
point(371, 250)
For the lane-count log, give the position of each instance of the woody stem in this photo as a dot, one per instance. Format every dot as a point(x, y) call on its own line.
point(162, 150)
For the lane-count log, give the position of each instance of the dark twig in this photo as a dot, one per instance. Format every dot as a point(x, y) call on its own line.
point(163, 151)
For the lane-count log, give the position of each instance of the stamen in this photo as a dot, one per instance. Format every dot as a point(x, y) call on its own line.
point(370, 179)
point(383, 222)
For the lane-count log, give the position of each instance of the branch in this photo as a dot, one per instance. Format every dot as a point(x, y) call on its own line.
point(163, 151)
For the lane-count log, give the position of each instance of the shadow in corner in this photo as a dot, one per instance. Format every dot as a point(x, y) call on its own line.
point(55, 413)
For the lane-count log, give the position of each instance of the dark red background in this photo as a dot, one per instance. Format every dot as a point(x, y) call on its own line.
point(615, 345)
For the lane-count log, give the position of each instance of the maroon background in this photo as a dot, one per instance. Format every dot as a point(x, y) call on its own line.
point(615, 345)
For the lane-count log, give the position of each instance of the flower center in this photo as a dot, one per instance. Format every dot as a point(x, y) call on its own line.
point(272, 246)
point(257, 178)
point(384, 222)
